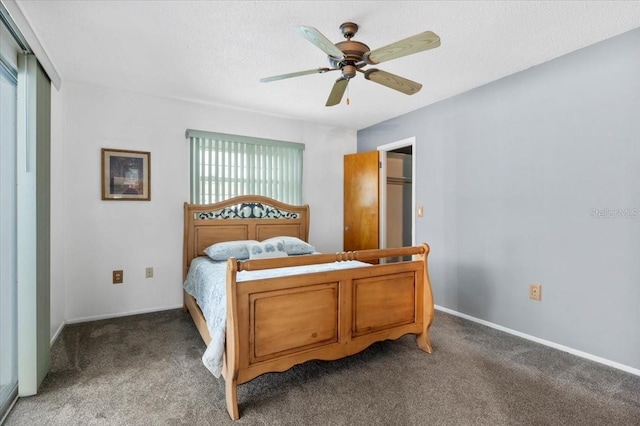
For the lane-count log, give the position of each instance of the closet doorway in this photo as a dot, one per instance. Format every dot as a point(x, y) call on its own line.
point(397, 194)
point(379, 197)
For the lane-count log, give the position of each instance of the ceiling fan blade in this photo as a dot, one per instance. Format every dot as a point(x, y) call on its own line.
point(335, 97)
point(317, 38)
point(407, 46)
point(294, 74)
point(393, 81)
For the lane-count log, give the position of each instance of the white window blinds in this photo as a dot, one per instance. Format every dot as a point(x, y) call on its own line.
point(225, 166)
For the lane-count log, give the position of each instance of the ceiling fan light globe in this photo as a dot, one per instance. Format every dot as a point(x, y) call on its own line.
point(349, 71)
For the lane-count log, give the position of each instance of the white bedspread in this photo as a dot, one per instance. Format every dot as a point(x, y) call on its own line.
point(206, 282)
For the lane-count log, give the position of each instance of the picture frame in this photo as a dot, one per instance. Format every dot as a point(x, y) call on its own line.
point(126, 175)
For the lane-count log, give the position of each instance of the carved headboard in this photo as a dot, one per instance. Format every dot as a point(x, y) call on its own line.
point(248, 217)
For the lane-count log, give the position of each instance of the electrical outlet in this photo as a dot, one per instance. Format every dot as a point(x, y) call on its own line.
point(535, 291)
point(149, 272)
point(118, 277)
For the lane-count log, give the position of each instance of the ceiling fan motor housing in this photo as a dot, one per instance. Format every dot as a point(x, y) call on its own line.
point(353, 52)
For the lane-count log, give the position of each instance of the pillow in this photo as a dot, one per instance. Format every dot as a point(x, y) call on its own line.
point(227, 249)
point(294, 246)
point(266, 249)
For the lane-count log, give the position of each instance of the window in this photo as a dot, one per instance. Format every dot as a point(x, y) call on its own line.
point(225, 166)
point(9, 52)
point(25, 136)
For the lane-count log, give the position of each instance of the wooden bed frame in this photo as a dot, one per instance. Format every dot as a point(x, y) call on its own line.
point(329, 315)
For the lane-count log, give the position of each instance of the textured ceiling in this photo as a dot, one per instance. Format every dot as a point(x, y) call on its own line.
point(216, 51)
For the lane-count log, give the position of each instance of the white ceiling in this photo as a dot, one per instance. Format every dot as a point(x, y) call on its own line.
point(216, 51)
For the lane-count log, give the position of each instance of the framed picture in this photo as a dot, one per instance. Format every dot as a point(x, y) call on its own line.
point(126, 175)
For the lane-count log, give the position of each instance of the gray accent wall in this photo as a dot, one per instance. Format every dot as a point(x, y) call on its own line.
point(535, 178)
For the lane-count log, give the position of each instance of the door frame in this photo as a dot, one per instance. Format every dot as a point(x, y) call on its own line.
point(383, 149)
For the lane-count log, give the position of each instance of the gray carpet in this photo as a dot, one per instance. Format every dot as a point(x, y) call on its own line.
point(146, 370)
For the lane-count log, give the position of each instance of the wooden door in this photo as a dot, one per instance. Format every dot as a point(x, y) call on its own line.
point(361, 201)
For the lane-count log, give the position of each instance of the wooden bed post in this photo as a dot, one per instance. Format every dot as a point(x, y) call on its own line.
point(422, 339)
point(232, 342)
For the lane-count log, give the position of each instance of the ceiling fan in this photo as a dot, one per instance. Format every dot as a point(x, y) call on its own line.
point(352, 56)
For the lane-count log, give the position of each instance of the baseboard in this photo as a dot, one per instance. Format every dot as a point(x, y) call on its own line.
point(57, 333)
point(121, 314)
point(563, 348)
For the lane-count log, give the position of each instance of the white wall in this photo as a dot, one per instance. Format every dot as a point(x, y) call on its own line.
point(92, 237)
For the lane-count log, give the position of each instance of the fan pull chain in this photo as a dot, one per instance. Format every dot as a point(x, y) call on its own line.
point(347, 95)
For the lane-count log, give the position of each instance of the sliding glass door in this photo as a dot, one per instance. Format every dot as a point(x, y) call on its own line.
point(8, 200)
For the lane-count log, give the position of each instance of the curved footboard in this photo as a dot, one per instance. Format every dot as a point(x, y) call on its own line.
point(276, 323)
